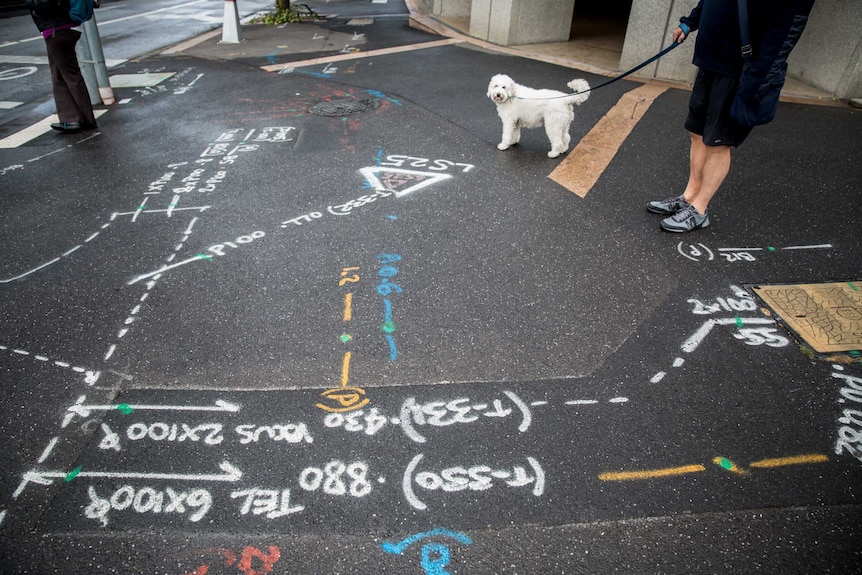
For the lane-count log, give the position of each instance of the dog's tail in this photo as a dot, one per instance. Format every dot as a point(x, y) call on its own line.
point(581, 91)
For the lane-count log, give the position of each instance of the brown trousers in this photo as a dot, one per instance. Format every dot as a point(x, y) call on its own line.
point(70, 90)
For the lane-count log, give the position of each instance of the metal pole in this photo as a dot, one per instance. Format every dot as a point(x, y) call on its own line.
point(95, 41)
point(85, 62)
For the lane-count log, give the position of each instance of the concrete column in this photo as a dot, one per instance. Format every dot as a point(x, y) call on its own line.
point(451, 8)
point(514, 22)
point(650, 29)
point(829, 53)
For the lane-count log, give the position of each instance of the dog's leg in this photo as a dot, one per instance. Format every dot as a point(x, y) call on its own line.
point(511, 135)
point(559, 140)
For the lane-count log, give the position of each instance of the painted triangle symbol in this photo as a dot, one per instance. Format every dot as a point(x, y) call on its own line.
point(400, 182)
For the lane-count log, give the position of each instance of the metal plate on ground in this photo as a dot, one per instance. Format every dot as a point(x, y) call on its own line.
point(344, 107)
point(827, 316)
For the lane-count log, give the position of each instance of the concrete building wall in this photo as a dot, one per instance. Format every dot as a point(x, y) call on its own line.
point(828, 56)
point(514, 22)
point(650, 29)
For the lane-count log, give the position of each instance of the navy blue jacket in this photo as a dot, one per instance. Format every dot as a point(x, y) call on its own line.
point(74, 13)
point(772, 24)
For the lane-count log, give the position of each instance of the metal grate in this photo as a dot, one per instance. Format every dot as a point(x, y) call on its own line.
point(343, 107)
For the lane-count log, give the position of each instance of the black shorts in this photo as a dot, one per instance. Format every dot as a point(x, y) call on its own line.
point(708, 110)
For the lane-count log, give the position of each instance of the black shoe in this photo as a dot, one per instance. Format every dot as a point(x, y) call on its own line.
point(86, 126)
point(67, 127)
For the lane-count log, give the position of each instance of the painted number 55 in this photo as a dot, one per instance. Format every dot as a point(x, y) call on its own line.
point(761, 336)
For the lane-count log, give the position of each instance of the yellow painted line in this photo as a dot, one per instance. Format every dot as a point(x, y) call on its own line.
point(38, 129)
point(348, 306)
point(795, 460)
point(357, 55)
point(651, 474)
point(345, 369)
point(585, 164)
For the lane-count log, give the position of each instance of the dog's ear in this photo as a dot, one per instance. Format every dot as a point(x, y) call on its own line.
point(510, 90)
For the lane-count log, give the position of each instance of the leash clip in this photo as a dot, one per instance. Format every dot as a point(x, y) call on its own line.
point(746, 51)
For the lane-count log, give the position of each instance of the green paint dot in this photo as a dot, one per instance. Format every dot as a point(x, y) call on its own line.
point(73, 474)
point(204, 256)
point(345, 338)
point(738, 321)
point(854, 353)
point(388, 327)
point(125, 408)
point(770, 248)
point(725, 463)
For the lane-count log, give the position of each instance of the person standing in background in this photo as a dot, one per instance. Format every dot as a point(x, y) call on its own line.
point(58, 21)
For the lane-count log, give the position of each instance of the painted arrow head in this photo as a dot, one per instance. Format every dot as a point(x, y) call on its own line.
point(227, 406)
point(233, 473)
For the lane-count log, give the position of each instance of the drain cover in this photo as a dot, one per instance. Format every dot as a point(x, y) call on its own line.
point(827, 316)
point(343, 107)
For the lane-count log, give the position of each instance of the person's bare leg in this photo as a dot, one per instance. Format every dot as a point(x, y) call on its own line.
point(708, 167)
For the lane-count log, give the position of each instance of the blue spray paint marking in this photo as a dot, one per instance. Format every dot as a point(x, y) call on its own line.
point(389, 327)
point(387, 314)
point(383, 96)
point(271, 56)
point(435, 565)
point(393, 349)
point(435, 556)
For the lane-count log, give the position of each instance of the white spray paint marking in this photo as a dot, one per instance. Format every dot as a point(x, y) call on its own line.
point(57, 259)
point(90, 375)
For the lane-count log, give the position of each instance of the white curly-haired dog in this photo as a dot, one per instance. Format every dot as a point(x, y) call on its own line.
point(523, 107)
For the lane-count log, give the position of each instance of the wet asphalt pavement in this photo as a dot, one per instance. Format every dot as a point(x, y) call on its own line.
point(314, 321)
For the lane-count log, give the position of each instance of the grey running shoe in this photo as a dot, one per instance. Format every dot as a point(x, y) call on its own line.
point(685, 220)
point(668, 206)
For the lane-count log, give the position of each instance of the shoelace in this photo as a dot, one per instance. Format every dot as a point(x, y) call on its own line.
point(685, 213)
point(676, 201)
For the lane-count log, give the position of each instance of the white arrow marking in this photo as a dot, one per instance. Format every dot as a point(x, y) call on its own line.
point(231, 474)
point(84, 410)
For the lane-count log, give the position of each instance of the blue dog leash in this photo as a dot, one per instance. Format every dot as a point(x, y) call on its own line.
point(621, 76)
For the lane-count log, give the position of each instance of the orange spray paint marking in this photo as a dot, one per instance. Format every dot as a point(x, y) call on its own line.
point(794, 460)
point(266, 560)
point(348, 306)
point(651, 473)
point(345, 369)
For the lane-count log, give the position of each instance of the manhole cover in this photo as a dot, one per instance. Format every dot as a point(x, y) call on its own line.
point(827, 316)
point(343, 107)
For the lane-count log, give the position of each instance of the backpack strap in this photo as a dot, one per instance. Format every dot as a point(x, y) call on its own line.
point(742, 5)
